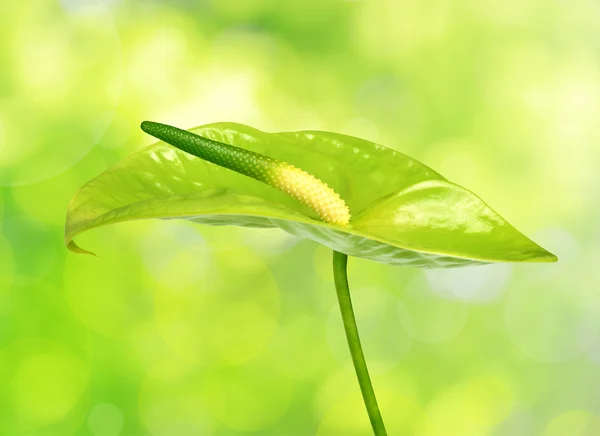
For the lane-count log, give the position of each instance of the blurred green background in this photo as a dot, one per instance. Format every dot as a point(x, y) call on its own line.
point(179, 329)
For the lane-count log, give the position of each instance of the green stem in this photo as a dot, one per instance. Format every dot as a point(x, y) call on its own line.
point(340, 262)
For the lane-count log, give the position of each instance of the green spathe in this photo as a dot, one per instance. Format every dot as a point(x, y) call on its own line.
point(402, 211)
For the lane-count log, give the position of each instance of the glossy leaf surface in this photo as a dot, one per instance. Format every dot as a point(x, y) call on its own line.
point(402, 211)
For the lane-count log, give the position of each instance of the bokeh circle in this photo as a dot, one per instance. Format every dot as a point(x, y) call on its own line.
point(65, 83)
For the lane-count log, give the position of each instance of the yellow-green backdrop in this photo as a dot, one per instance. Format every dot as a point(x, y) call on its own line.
point(182, 330)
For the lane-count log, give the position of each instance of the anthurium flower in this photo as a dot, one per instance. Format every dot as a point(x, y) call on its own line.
point(384, 205)
point(356, 197)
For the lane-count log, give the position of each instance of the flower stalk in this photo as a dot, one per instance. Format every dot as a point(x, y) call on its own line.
point(340, 262)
